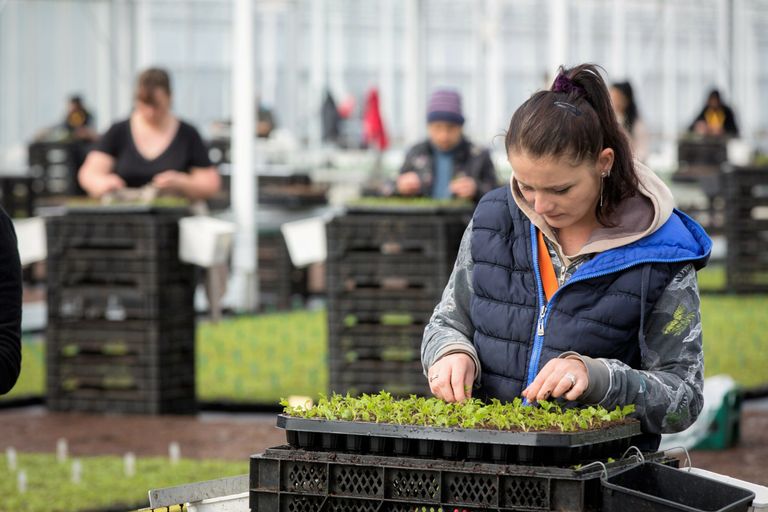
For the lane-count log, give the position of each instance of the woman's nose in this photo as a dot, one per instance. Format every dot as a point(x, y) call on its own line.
point(541, 205)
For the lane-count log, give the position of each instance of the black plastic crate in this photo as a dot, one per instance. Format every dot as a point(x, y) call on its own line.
point(113, 234)
point(184, 403)
point(111, 340)
point(119, 303)
point(283, 479)
point(17, 196)
point(539, 448)
point(279, 281)
point(652, 486)
point(417, 234)
point(746, 229)
point(53, 167)
point(148, 274)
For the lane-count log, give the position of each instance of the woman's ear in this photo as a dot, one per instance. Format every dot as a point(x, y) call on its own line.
point(605, 161)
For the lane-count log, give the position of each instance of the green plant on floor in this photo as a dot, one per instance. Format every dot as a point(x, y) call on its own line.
point(472, 413)
point(104, 483)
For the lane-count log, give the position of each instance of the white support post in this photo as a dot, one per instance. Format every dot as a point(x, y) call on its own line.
point(669, 76)
point(318, 72)
point(558, 35)
point(413, 95)
point(244, 184)
point(387, 59)
point(618, 39)
point(495, 115)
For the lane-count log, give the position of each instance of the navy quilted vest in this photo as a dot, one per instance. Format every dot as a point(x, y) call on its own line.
point(596, 313)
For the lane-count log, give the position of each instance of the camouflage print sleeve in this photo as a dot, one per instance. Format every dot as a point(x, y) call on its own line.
point(450, 329)
point(667, 390)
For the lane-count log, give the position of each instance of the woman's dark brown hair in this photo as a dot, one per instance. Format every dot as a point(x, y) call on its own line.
point(575, 120)
point(149, 81)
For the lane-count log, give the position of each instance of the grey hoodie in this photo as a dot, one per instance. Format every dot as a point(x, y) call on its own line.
point(667, 390)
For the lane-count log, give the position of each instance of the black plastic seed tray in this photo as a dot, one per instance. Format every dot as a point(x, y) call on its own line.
point(655, 487)
point(558, 448)
point(284, 479)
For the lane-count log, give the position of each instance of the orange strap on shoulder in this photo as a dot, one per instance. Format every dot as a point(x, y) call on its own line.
point(546, 268)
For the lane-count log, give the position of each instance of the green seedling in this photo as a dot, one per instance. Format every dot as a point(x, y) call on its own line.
point(471, 413)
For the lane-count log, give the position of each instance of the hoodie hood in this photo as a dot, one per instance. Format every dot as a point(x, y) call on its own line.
point(635, 218)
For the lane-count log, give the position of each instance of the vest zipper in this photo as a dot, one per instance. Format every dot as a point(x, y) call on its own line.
point(540, 328)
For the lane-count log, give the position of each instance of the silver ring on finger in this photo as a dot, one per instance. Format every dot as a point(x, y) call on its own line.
point(571, 377)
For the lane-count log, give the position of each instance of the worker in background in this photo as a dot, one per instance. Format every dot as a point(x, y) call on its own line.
point(447, 164)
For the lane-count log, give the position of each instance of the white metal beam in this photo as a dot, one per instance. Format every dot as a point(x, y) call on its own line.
point(244, 184)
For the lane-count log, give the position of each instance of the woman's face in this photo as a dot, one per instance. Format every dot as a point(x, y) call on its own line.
point(564, 194)
point(155, 108)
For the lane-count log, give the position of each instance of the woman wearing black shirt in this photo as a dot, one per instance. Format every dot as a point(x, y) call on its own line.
point(10, 305)
point(151, 147)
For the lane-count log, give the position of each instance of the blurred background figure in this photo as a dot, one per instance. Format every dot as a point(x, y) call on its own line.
point(151, 147)
point(628, 115)
point(79, 122)
point(715, 119)
point(447, 164)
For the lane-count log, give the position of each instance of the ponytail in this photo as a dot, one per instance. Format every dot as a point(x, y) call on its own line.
point(575, 120)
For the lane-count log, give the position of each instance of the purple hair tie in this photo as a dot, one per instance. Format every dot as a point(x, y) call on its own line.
point(564, 84)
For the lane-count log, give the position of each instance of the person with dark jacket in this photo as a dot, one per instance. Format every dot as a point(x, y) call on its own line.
point(10, 305)
point(447, 164)
point(577, 280)
point(715, 119)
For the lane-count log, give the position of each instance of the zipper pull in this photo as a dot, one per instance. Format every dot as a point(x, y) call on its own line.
point(540, 329)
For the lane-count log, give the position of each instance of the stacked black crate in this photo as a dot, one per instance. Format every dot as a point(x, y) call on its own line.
point(386, 270)
point(53, 167)
point(280, 283)
point(121, 325)
point(17, 196)
point(746, 229)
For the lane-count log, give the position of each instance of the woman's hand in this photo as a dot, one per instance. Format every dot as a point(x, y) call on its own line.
point(451, 377)
point(566, 377)
point(174, 181)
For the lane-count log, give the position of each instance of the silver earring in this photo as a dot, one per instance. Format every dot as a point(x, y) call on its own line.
point(602, 176)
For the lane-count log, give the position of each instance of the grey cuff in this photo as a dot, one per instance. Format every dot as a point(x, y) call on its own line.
point(459, 348)
point(599, 378)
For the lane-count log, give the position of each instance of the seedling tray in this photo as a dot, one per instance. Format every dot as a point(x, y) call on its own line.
point(557, 448)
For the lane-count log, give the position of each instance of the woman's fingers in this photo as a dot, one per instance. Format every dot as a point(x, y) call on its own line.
point(451, 377)
point(558, 378)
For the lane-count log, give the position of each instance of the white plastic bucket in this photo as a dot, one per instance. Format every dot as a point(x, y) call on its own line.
point(205, 241)
point(31, 236)
point(305, 240)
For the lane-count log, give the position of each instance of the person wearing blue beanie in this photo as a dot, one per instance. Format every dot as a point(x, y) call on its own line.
point(447, 164)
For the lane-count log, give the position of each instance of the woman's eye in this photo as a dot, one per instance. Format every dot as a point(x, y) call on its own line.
point(562, 191)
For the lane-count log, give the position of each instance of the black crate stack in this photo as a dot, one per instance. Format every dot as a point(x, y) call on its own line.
point(121, 325)
point(746, 229)
point(280, 283)
point(53, 167)
point(17, 196)
point(386, 271)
